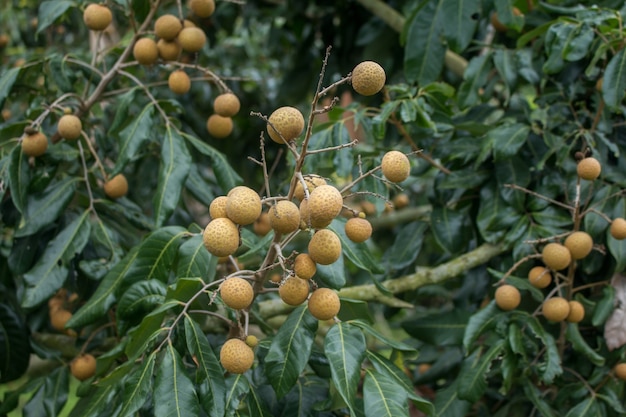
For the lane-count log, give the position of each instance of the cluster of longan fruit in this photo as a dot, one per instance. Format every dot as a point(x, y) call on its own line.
point(557, 256)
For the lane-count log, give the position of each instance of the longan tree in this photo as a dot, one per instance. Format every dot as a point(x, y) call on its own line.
point(338, 208)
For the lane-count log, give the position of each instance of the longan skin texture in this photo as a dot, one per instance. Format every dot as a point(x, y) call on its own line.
point(145, 51)
point(324, 304)
point(556, 309)
point(618, 228)
point(167, 27)
point(396, 166)
point(237, 293)
point(191, 39)
point(539, 277)
point(168, 50)
point(288, 121)
point(35, 144)
point(294, 291)
point(202, 8)
point(556, 256)
point(368, 78)
point(589, 169)
point(507, 297)
point(311, 182)
point(97, 17)
point(219, 127)
point(325, 247)
point(620, 371)
point(358, 230)
point(179, 82)
point(226, 105)
point(221, 237)
point(217, 208)
point(284, 217)
point(83, 367)
point(243, 206)
point(59, 318)
point(262, 226)
point(576, 312)
point(69, 127)
point(579, 244)
point(236, 356)
point(116, 187)
point(304, 267)
point(325, 203)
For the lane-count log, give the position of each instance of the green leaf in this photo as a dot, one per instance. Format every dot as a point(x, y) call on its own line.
point(580, 345)
point(303, 399)
point(604, 307)
point(448, 404)
point(508, 139)
point(175, 162)
point(256, 403)
point(19, 177)
point(459, 26)
point(140, 298)
point(290, 350)
point(480, 322)
point(344, 346)
point(14, 344)
point(236, 387)
point(194, 260)
point(333, 275)
point(49, 11)
point(357, 253)
point(174, 393)
point(140, 337)
point(538, 399)
point(138, 387)
point(578, 43)
point(209, 368)
point(506, 65)
point(226, 176)
point(450, 228)
point(472, 377)
point(406, 246)
point(495, 216)
point(104, 296)
point(424, 48)
point(614, 80)
point(445, 328)
point(382, 396)
point(403, 347)
point(552, 365)
point(44, 208)
point(475, 78)
point(49, 273)
point(100, 401)
point(123, 103)
point(133, 136)
point(587, 407)
point(6, 83)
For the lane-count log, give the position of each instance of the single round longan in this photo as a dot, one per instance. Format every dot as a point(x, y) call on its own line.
point(396, 166)
point(83, 367)
point(358, 229)
point(236, 356)
point(145, 51)
point(69, 127)
point(221, 237)
point(226, 105)
point(97, 17)
point(237, 293)
point(507, 297)
point(556, 256)
point(191, 39)
point(368, 78)
point(294, 291)
point(167, 27)
point(324, 304)
point(219, 126)
point(116, 187)
point(286, 120)
point(324, 247)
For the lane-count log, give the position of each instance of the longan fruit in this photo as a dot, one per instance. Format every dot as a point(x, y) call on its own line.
point(179, 82)
point(252, 340)
point(34, 144)
point(324, 247)
point(286, 120)
point(579, 244)
point(358, 229)
point(237, 293)
point(167, 27)
point(620, 371)
point(589, 169)
point(97, 16)
point(83, 367)
point(556, 309)
point(262, 225)
point(219, 126)
point(236, 356)
point(69, 127)
point(226, 105)
point(276, 278)
point(556, 256)
point(116, 187)
point(311, 181)
point(221, 237)
point(217, 208)
point(243, 206)
point(305, 215)
point(507, 297)
point(368, 78)
point(202, 8)
point(396, 166)
point(539, 277)
point(576, 312)
point(324, 304)
point(284, 217)
point(59, 318)
point(145, 51)
point(325, 203)
point(191, 39)
point(168, 50)
point(4, 40)
point(294, 291)
point(618, 228)
point(304, 267)
point(400, 201)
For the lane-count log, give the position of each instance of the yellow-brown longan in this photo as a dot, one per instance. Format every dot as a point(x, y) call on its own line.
point(218, 126)
point(243, 205)
point(284, 217)
point(618, 228)
point(304, 267)
point(286, 120)
point(226, 105)
point(507, 297)
point(145, 51)
point(168, 27)
point(324, 247)
point(396, 166)
point(236, 356)
point(237, 293)
point(294, 291)
point(358, 229)
point(221, 237)
point(368, 78)
point(324, 304)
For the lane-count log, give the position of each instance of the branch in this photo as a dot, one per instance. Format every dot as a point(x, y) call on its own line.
point(424, 276)
point(453, 61)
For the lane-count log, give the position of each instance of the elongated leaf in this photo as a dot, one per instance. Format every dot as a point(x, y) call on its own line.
point(175, 162)
point(6, 83)
point(508, 139)
point(450, 228)
point(381, 337)
point(406, 246)
point(475, 77)
point(479, 322)
point(552, 366)
point(580, 345)
point(357, 253)
point(19, 177)
point(194, 260)
point(237, 387)
point(388, 368)
point(99, 402)
point(226, 176)
point(459, 26)
point(104, 297)
point(614, 82)
point(140, 298)
point(137, 387)
point(382, 396)
point(43, 209)
point(49, 11)
point(538, 400)
point(448, 404)
point(49, 273)
point(587, 407)
point(604, 307)
point(446, 328)
point(472, 378)
point(174, 393)
point(424, 49)
point(301, 401)
point(333, 275)
point(133, 136)
point(209, 369)
point(123, 104)
point(345, 349)
point(257, 406)
point(14, 344)
point(149, 328)
point(505, 63)
point(290, 350)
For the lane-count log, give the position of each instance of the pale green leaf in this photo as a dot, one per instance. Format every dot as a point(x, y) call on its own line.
point(174, 393)
point(49, 11)
point(383, 396)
